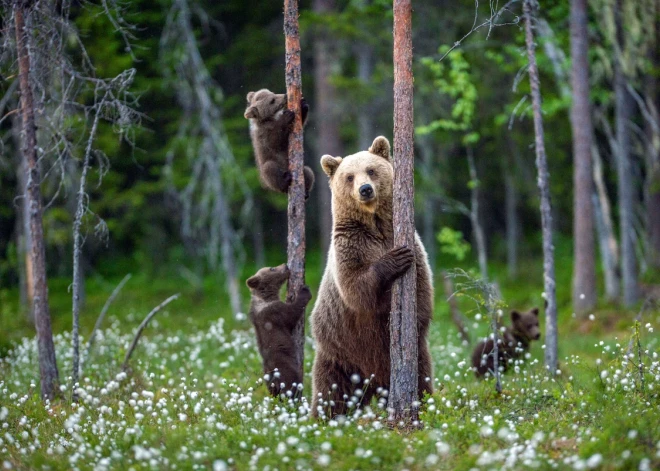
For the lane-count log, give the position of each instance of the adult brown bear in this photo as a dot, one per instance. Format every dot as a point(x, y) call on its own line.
point(350, 320)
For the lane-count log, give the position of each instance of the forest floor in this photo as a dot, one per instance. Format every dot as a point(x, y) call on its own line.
point(193, 398)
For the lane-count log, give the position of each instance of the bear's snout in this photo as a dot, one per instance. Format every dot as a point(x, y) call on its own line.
point(366, 192)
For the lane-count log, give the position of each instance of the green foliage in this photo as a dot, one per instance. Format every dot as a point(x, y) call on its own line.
point(453, 243)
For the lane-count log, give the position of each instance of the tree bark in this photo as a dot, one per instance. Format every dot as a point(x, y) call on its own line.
point(623, 115)
point(296, 208)
point(326, 115)
point(47, 361)
point(584, 270)
point(609, 250)
point(511, 218)
point(479, 236)
point(403, 318)
point(544, 189)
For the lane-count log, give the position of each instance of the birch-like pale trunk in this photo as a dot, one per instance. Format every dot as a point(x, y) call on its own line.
point(584, 265)
point(549, 280)
point(625, 107)
point(479, 235)
point(296, 208)
point(403, 317)
point(511, 218)
point(47, 362)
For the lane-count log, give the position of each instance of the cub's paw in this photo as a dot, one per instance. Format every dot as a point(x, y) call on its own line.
point(286, 181)
point(288, 116)
point(304, 294)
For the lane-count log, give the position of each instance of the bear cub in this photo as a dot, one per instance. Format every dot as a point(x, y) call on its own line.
point(514, 342)
point(271, 124)
point(274, 322)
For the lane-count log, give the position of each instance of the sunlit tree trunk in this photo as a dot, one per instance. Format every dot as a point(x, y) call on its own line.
point(46, 349)
point(625, 108)
point(296, 209)
point(544, 188)
point(584, 270)
point(326, 114)
point(403, 318)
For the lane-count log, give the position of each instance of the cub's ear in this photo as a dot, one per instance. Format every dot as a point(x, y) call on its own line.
point(249, 97)
point(252, 282)
point(515, 316)
point(330, 164)
point(381, 147)
point(251, 112)
point(535, 311)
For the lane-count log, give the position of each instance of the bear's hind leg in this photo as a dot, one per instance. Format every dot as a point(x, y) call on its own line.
point(275, 178)
point(332, 388)
point(309, 181)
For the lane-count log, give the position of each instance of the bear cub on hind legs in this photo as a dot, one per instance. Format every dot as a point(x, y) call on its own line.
point(513, 344)
point(271, 124)
point(274, 322)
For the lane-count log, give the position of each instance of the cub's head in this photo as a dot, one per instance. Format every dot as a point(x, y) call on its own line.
point(264, 104)
point(527, 323)
point(268, 281)
point(361, 180)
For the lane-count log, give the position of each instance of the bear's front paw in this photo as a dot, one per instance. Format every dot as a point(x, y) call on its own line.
point(288, 116)
point(402, 258)
point(304, 294)
point(286, 181)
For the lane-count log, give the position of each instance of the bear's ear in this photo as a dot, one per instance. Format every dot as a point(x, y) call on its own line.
point(249, 97)
point(251, 112)
point(535, 311)
point(515, 316)
point(252, 282)
point(330, 164)
point(381, 147)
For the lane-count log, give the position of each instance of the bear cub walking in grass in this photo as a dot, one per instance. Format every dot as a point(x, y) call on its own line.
point(274, 322)
point(271, 124)
point(514, 342)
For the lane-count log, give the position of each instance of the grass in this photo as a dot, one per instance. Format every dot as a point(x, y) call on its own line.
point(193, 398)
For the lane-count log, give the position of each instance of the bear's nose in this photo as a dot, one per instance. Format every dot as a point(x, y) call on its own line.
point(366, 190)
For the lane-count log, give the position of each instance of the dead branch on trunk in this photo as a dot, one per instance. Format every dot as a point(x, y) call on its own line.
point(142, 326)
point(544, 188)
point(104, 311)
point(296, 210)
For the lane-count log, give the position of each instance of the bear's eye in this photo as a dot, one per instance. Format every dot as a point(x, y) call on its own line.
point(272, 102)
point(370, 172)
point(349, 178)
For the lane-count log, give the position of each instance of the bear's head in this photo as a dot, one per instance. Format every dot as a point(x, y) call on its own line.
point(527, 323)
point(361, 181)
point(267, 282)
point(264, 104)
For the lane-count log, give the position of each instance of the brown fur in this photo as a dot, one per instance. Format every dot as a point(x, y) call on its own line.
point(274, 322)
point(350, 320)
point(513, 343)
point(270, 125)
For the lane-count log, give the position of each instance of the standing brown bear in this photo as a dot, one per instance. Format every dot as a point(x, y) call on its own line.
point(271, 124)
point(513, 343)
point(350, 320)
point(274, 322)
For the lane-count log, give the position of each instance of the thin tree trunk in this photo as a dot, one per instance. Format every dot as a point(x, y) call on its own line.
point(479, 236)
point(607, 240)
point(296, 209)
point(511, 218)
point(258, 236)
point(22, 226)
point(403, 318)
point(546, 208)
point(623, 115)
point(326, 114)
point(47, 361)
point(365, 66)
point(456, 316)
point(584, 270)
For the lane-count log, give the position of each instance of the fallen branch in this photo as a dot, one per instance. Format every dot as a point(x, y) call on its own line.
point(142, 326)
point(104, 311)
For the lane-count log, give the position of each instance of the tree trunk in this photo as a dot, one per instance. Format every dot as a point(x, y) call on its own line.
point(258, 236)
point(47, 361)
point(326, 115)
point(296, 209)
point(23, 240)
point(456, 316)
point(479, 236)
point(623, 115)
point(609, 249)
point(403, 318)
point(544, 189)
point(584, 270)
